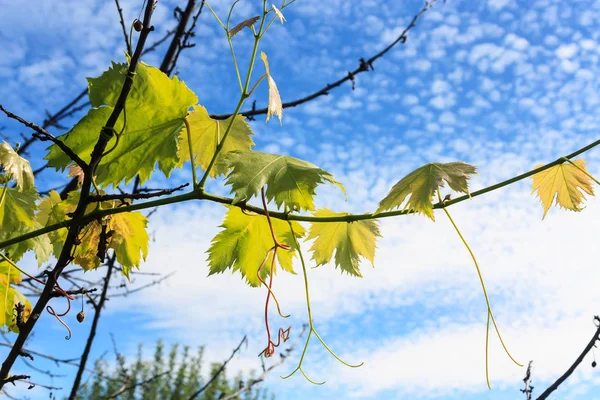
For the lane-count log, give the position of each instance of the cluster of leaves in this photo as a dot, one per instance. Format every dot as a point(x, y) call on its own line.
point(176, 376)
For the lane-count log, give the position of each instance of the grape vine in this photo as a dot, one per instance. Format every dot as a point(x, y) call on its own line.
point(140, 118)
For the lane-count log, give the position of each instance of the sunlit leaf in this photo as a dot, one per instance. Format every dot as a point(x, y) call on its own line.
point(207, 133)
point(422, 183)
point(349, 241)
point(243, 244)
point(16, 167)
point(154, 113)
point(290, 181)
point(564, 182)
point(129, 239)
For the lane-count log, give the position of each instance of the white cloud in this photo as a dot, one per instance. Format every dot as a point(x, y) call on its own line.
point(567, 51)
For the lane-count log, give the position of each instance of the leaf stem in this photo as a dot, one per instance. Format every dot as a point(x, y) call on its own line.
point(189, 138)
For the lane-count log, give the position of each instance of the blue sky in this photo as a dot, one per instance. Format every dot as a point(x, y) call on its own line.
point(502, 84)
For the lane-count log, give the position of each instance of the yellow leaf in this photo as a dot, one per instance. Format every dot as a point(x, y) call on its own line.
point(349, 241)
point(16, 167)
point(566, 183)
point(275, 105)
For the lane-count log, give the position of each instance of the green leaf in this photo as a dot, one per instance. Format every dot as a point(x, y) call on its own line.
point(422, 183)
point(349, 240)
point(7, 270)
point(289, 181)
point(243, 244)
point(154, 113)
point(16, 167)
point(51, 211)
point(6, 301)
point(206, 135)
point(17, 210)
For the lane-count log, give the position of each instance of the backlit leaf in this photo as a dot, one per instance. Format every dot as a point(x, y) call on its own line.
point(207, 134)
point(564, 182)
point(290, 181)
point(422, 183)
point(17, 210)
point(349, 241)
point(154, 113)
point(129, 239)
point(16, 167)
point(243, 244)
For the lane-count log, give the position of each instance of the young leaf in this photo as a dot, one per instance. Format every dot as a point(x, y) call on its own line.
point(16, 167)
point(244, 242)
point(349, 240)
point(279, 14)
point(422, 183)
point(289, 181)
point(154, 113)
point(275, 106)
point(206, 135)
point(244, 24)
point(565, 182)
point(129, 239)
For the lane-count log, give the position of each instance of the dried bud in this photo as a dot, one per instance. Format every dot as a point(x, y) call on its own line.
point(137, 25)
point(80, 316)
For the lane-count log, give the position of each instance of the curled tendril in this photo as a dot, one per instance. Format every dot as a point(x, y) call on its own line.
point(56, 315)
point(283, 334)
point(310, 322)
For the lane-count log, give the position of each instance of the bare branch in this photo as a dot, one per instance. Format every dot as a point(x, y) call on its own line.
point(574, 366)
point(125, 35)
point(44, 135)
point(136, 196)
point(527, 380)
point(220, 370)
point(125, 388)
point(283, 357)
point(364, 66)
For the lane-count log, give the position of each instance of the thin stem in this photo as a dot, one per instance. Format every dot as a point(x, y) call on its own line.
point(215, 15)
point(201, 195)
point(310, 320)
point(189, 138)
point(487, 300)
point(243, 98)
point(583, 170)
point(235, 63)
point(256, 85)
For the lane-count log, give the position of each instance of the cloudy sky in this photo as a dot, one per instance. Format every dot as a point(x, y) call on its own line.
point(502, 84)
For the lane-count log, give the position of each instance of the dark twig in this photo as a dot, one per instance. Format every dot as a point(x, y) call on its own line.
point(167, 65)
point(364, 66)
point(527, 380)
point(220, 370)
point(44, 135)
point(125, 35)
point(574, 366)
point(12, 379)
point(72, 292)
point(136, 196)
point(155, 282)
point(127, 388)
point(185, 43)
